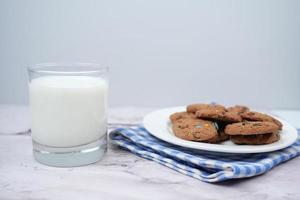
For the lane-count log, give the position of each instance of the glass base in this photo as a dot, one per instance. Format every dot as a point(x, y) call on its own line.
point(70, 156)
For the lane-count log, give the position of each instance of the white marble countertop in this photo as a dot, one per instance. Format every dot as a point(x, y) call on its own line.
point(121, 175)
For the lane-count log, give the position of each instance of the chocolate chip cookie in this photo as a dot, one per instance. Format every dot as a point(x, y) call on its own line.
point(256, 116)
point(238, 109)
point(221, 137)
point(267, 138)
point(193, 108)
point(181, 115)
point(219, 115)
point(251, 128)
point(194, 129)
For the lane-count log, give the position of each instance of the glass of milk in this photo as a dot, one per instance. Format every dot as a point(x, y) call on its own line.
point(68, 104)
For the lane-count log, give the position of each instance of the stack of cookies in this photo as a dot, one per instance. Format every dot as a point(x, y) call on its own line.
point(212, 123)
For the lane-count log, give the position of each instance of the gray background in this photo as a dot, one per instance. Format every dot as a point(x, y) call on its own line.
point(161, 53)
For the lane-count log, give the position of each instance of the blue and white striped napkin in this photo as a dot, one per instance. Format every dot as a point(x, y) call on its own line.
point(203, 166)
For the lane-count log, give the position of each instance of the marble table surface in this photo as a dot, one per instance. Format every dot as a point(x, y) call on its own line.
point(121, 175)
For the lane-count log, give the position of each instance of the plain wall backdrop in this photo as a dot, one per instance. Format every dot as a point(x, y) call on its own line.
point(160, 52)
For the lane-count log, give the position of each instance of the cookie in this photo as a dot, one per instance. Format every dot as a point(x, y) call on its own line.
point(238, 109)
point(221, 137)
point(193, 108)
point(256, 139)
point(219, 115)
point(194, 129)
point(251, 128)
point(181, 115)
point(256, 116)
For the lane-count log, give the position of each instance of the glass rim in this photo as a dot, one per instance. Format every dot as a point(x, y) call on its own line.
point(68, 68)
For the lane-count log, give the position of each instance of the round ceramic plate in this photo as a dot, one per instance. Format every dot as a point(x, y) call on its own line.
point(159, 125)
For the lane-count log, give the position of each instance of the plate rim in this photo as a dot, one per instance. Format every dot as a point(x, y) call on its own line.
point(216, 147)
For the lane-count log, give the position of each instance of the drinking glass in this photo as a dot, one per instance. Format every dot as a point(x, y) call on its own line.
point(68, 109)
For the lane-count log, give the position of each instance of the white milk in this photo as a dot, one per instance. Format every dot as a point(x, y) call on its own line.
point(68, 110)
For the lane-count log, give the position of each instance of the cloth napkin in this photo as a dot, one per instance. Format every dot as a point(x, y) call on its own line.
point(201, 165)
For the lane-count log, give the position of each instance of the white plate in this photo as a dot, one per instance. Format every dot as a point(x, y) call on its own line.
point(159, 125)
